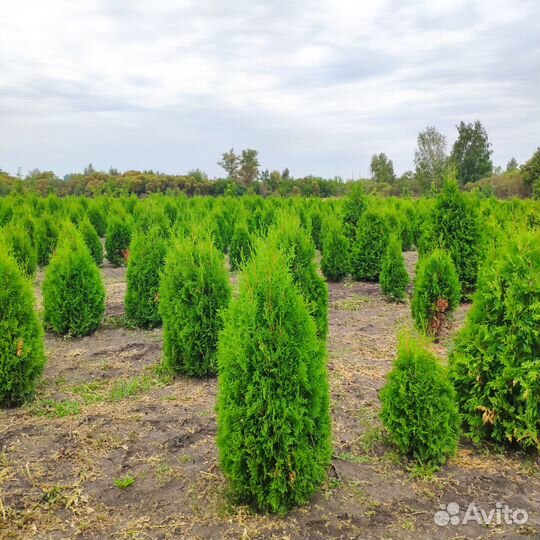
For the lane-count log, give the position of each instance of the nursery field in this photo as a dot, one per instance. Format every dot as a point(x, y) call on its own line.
point(288, 368)
point(102, 414)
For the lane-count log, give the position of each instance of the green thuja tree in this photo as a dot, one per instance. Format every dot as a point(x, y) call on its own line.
point(146, 261)
point(47, 233)
point(454, 226)
point(495, 361)
point(394, 278)
point(118, 239)
point(240, 248)
point(21, 247)
point(335, 250)
point(316, 227)
point(353, 208)
point(91, 239)
point(97, 217)
point(369, 246)
point(299, 249)
point(193, 293)
point(419, 406)
point(274, 434)
point(21, 336)
point(73, 292)
point(437, 292)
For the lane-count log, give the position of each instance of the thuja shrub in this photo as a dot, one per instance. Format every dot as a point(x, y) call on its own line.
point(97, 217)
point(73, 292)
point(91, 239)
point(454, 226)
point(299, 249)
point(273, 405)
point(369, 246)
point(46, 238)
point(437, 292)
point(146, 261)
point(118, 239)
point(21, 336)
point(495, 361)
point(335, 250)
point(394, 278)
point(419, 406)
point(241, 246)
point(316, 228)
point(193, 293)
point(21, 247)
point(353, 208)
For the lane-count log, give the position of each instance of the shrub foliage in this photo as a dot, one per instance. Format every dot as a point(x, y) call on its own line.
point(394, 278)
point(495, 364)
point(193, 293)
point(147, 257)
point(335, 251)
point(436, 292)
point(118, 240)
point(21, 336)
point(73, 292)
point(273, 405)
point(419, 407)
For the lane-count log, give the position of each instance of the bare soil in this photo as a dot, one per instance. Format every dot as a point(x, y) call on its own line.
point(104, 414)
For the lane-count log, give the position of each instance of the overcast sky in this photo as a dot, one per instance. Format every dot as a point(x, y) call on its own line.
point(316, 86)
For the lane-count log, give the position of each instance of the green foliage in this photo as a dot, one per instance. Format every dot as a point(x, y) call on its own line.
point(471, 153)
point(97, 217)
point(316, 228)
point(354, 206)
point(73, 292)
point(531, 170)
point(436, 292)
point(382, 169)
point(91, 239)
point(419, 407)
point(369, 246)
point(194, 290)
point(147, 258)
point(21, 336)
point(335, 251)
point(21, 248)
point(46, 238)
point(124, 482)
point(495, 364)
point(240, 250)
point(273, 406)
point(394, 278)
point(454, 226)
point(118, 240)
point(298, 247)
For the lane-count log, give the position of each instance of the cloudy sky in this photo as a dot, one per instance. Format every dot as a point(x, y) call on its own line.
point(317, 86)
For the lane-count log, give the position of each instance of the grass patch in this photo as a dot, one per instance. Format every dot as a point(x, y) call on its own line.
point(49, 408)
point(124, 482)
point(354, 303)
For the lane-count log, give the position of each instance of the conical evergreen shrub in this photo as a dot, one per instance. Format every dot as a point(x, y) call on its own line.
point(98, 219)
point(21, 336)
point(194, 290)
point(46, 238)
point(454, 226)
point(419, 407)
point(91, 239)
point(495, 362)
point(240, 249)
point(118, 239)
point(353, 208)
point(73, 292)
point(369, 246)
point(146, 261)
point(273, 405)
point(21, 247)
point(436, 292)
point(299, 249)
point(394, 278)
point(335, 250)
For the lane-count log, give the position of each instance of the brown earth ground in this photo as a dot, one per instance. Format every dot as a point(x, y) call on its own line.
point(103, 413)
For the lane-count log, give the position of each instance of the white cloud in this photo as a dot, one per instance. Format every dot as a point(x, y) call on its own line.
point(318, 86)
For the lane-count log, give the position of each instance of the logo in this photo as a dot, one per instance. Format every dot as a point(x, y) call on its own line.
point(451, 514)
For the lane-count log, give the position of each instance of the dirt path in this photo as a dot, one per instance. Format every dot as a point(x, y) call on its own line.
point(104, 413)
